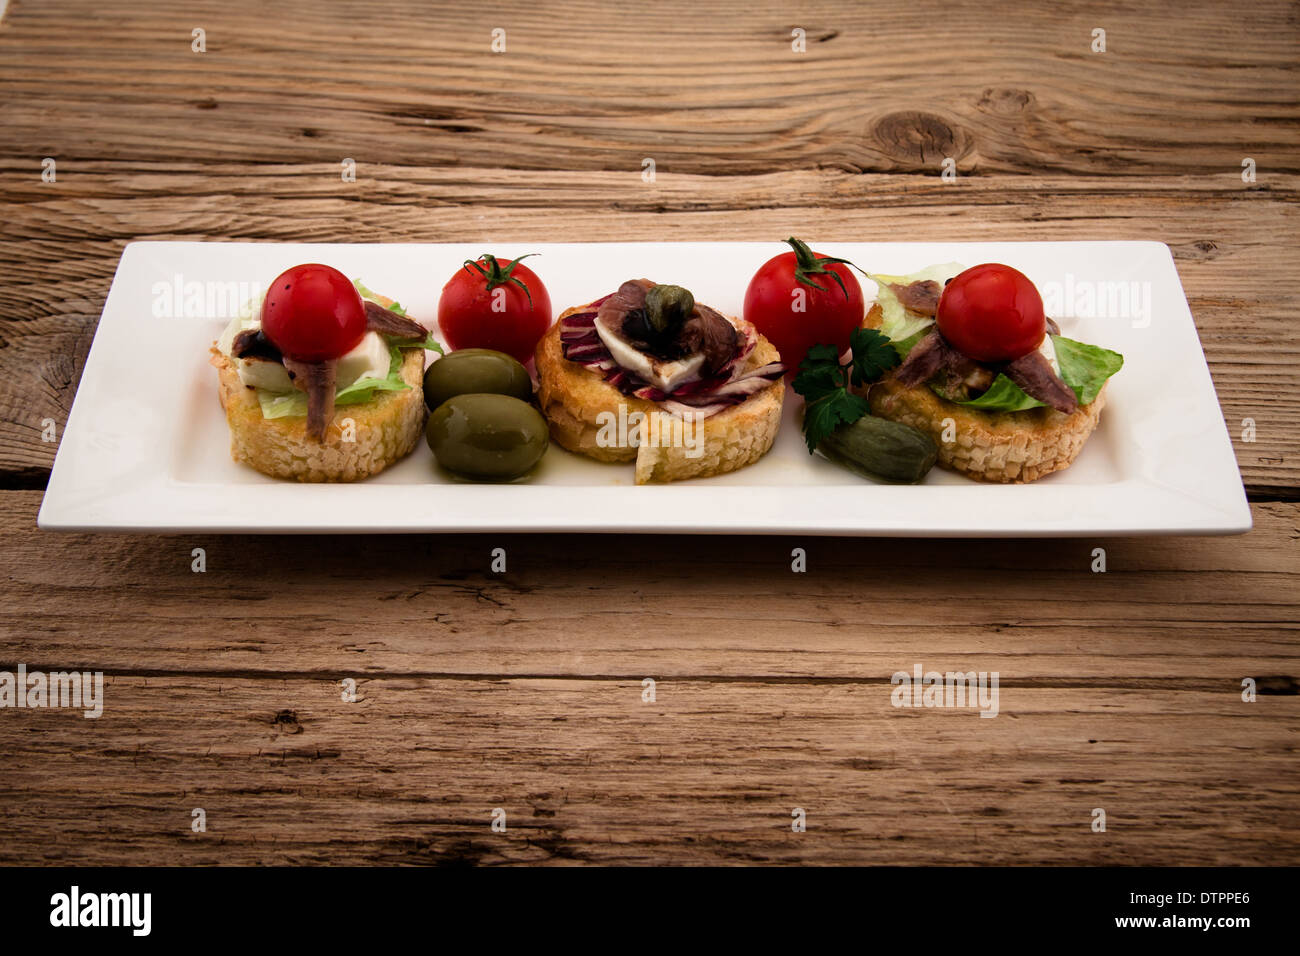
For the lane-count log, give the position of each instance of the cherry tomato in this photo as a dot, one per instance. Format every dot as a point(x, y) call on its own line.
point(992, 313)
point(313, 312)
point(796, 302)
point(486, 305)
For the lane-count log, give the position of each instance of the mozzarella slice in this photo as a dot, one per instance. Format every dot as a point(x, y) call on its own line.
point(1048, 351)
point(370, 359)
point(665, 376)
point(261, 373)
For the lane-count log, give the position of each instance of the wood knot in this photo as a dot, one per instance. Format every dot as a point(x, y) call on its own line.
point(910, 136)
point(814, 34)
point(1005, 102)
point(1280, 685)
point(1197, 249)
point(286, 722)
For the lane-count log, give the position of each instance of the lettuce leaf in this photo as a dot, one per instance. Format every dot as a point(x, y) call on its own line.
point(374, 297)
point(903, 327)
point(1003, 395)
point(294, 404)
point(430, 343)
point(1085, 368)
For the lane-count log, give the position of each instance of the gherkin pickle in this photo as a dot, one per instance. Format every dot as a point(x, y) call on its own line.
point(487, 437)
point(468, 371)
point(880, 449)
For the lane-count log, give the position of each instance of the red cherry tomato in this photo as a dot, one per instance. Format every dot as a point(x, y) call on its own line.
point(313, 312)
point(486, 305)
point(992, 313)
point(825, 312)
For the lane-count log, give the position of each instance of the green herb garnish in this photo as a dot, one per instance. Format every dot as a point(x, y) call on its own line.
point(825, 384)
point(374, 297)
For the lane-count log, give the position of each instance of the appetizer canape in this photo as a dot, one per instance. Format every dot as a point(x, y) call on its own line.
point(619, 374)
point(322, 380)
point(986, 374)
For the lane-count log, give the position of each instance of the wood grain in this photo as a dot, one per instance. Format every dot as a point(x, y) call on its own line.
point(524, 691)
point(598, 86)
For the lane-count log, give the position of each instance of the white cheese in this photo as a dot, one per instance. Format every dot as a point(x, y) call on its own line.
point(1048, 351)
point(261, 373)
point(370, 359)
point(665, 376)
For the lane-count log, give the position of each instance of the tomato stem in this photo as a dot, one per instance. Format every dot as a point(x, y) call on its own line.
point(808, 263)
point(495, 276)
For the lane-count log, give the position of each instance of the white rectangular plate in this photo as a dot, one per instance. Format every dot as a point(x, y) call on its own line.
point(146, 446)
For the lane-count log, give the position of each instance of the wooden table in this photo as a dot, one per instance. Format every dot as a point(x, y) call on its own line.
point(523, 691)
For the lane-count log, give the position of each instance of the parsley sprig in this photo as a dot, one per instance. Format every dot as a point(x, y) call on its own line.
point(825, 384)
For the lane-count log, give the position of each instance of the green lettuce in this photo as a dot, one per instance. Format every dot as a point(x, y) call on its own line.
point(294, 404)
point(374, 297)
point(1085, 368)
point(906, 328)
point(1003, 395)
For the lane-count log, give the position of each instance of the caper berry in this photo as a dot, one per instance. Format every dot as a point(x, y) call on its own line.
point(667, 307)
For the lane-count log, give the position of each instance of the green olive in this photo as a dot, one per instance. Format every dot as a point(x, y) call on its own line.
point(486, 436)
point(475, 370)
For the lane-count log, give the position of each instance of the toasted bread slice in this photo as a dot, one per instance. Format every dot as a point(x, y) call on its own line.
point(382, 430)
point(578, 402)
point(1012, 447)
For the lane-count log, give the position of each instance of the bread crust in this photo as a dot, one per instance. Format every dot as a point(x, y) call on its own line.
point(386, 429)
point(574, 397)
point(1008, 447)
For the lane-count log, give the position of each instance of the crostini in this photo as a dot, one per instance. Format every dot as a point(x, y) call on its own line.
point(322, 380)
point(647, 374)
point(986, 374)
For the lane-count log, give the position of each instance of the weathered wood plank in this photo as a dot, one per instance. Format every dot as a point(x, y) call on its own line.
point(1192, 612)
point(588, 85)
point(524, 692)
point(586, 772)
